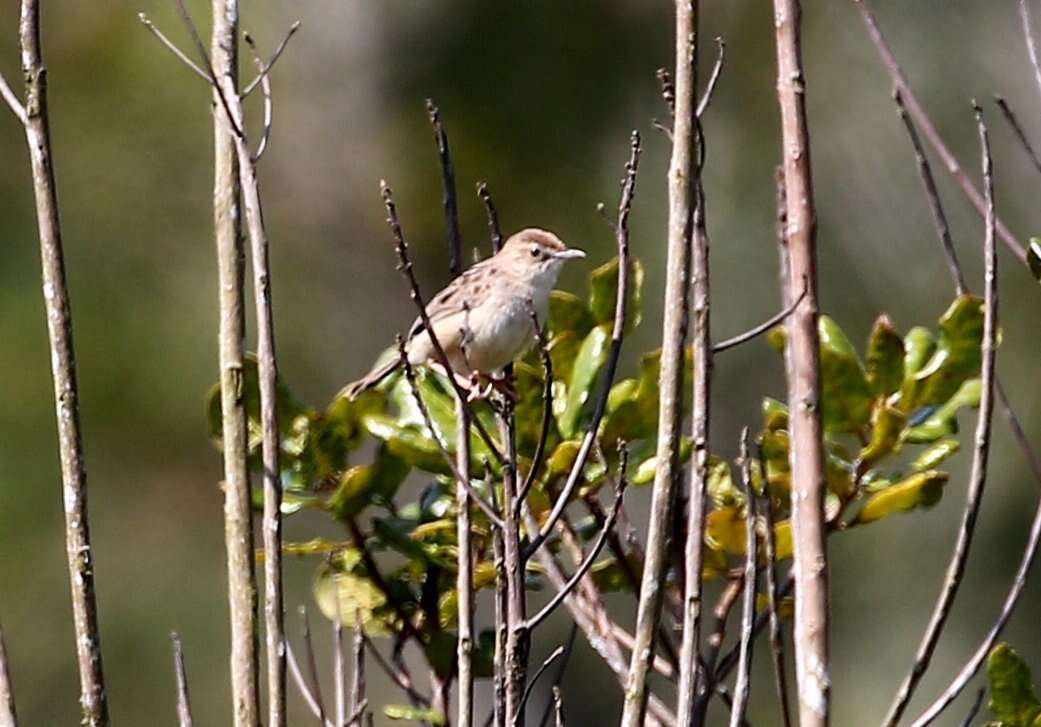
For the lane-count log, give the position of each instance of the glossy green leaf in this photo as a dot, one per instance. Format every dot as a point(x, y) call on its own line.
point(725, 530)
point(353, 595)
point(1034, 258)
point(932, 456)
point(921, 489)
point(775, 414)
point(398, 535)
point(1012, 698)
point(568, 312)
point(603, 292)
point(359, 486)
point(845, 393)
point(887, 425)
point(634, 414)
point(411, 444)
point(414, 714)
point(944, 420)
point(581, 390)
point(720, 485)
point(956, 358)
point(287, 406)
point(646, 470)
point(885, 357)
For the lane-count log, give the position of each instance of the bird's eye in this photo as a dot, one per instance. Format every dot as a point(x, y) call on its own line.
point(536, 253)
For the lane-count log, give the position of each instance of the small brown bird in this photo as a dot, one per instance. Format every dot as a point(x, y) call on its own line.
point(482, 319)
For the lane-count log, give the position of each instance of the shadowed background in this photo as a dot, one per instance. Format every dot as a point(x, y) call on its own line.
point(538, 99)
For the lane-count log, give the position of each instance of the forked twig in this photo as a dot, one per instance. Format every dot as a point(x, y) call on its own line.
point(265, 86)
point(170, 46)
point(13, 101)
point(265, 68)
point(557, 653)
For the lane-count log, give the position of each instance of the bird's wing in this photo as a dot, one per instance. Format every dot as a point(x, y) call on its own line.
point(450, 302)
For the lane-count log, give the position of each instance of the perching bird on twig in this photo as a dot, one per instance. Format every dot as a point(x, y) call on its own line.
point(482, 319)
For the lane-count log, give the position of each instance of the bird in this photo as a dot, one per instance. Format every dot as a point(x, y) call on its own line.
point(482, 318)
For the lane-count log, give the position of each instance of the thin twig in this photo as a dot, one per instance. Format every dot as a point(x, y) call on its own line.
point(744, 668)
point(978, 476)
point(405, 266)
point(977, 481)
point(569, 646)
point(975, 708)
point(582, 569)
point(495, 234)
point(721, 615)
point(713, 79)
point(463, 480)
point(729, 660)
point(611, 365)
point(400, 678)
point(184, 705)
point(79, 555)
point(358, 700)
point(776, 637)
point(12, 100)
point(464, 575)
point(558, 707)
point(760, 329)
point(950, 162)
point(304, 689)
point(1028, 33)
point(1017, 129)
point(557, 653)
point(312, 663)
point(339, 680)
point(448, 196)
point(518, 636)
point(943, 230)
point(674, 331)
point(265, 85)
point(668, 89)
point(8, 717)
point(265, 68)
point(803, 357)
point(169, 44)
point(547, 408)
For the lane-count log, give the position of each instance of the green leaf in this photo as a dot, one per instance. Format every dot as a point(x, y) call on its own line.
point(775, 414)
point(646, 470)
point(918, 348)
point(603, 292)
point(1034, 258)
point(354, 595)
point(563, 350)
point(885, 357)
point(887, 426)
point(956, 358)
point(921, 489)
point(413, 714)
point(610, 574)
point(359, 486)
point(1012, 698)
point(411, 443)
point(944, 420)
point(584, 375)
point(720, 485)
point(567, 312)
point(932, 456)
point(845, 393)
point(725, 530)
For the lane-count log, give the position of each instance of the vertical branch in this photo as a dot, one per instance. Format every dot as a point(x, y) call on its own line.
point(93, 701)
point(517, 633)
point(977, 476)
point(238, 523)
point(184, 705)
point(464, 580)
point(681, 184)
point(807, 450)
point(1028, 33)
point(339, 684)
point(357, 675)
point(744, 677)
point(694, 550)
point(7, 713)
point(776, 637)
point(494, 232)
point(448, 196)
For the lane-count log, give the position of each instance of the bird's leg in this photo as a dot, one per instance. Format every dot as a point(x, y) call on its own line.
point(504, 385)
point(480, 386)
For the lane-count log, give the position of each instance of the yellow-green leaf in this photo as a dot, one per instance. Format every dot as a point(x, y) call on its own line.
point(567, 312)
point(944, 420)
point(957, 355)
point(885, 357)
point(921, 489)
point(932, 456)
point(887, 425)
point(603, 292)
point(414, 714)
point(1012, 698)
point(725, 530)
point(584, 376)
point(845, 393)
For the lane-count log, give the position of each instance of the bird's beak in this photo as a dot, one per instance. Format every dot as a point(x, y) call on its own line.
point(570, 254)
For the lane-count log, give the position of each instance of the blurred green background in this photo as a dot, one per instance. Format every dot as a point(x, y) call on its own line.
point(538, 99)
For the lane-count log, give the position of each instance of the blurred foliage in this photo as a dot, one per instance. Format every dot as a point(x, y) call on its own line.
point(906, 392)
point(1012, 697)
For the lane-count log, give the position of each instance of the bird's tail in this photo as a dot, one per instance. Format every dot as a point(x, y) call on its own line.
point(373, 378)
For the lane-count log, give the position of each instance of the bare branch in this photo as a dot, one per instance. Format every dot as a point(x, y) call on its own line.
point(493, 216)
point(582, 569)
point(617, 335)
point(398, 676)
point(184, 706)
point(803, 359)
point(569, 646)
point(358, 701)
point(557, 653)
point(170, 46)
point(448, 196)
point(977, 480)
point(682, 168)
point(943, 230)
point(265, 68)
point(558, 707)
point(313, 693)
point(1010, 117)
point(668, 89)
point(744, 669)
point(760, 329)
point(975, 708)
point(1028, 33)
point(8, 717)
point(914, 108)
point(978, 476)
point(730, 659)
point(339, 678)
point(713, 79)
point(265, 84)
point(12, 100)
point(80, 557)
point(776, 637)
point(464, 576)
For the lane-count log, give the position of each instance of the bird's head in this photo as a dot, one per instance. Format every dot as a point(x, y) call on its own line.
point(538, 255)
